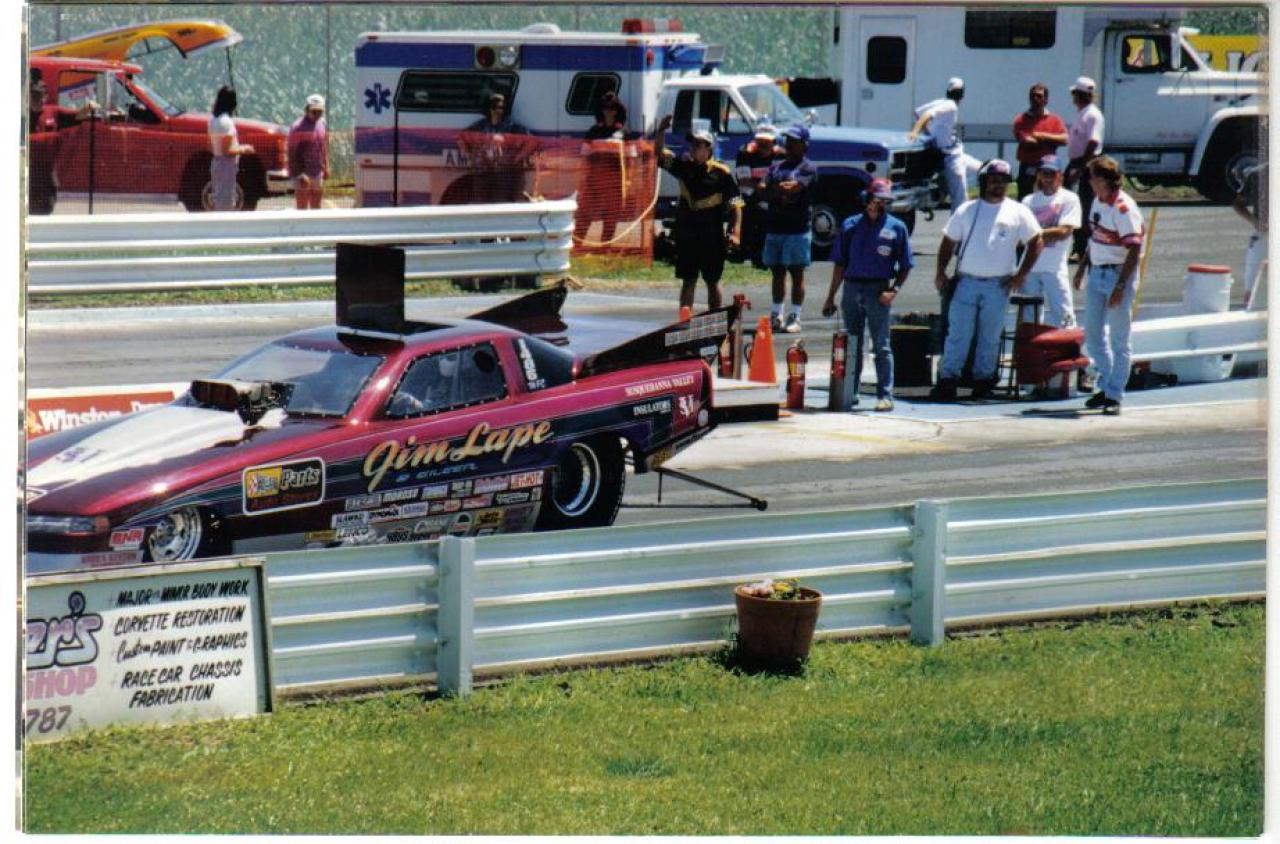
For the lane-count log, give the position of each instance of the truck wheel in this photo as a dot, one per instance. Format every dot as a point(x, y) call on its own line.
point(1232, 152)
point(184, 534)
point(585, 488)
point(196, 193)
point(826, 224)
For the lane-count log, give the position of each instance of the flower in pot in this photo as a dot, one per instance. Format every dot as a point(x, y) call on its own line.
point(776, 619)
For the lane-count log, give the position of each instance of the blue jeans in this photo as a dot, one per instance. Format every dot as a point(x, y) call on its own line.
point(222, 172)
point(978, 304)
point(1106, 329)
point(861, 308)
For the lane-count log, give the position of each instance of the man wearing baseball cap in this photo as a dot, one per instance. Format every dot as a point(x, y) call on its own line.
point(989, 231)
point(308, 148)
point(1084, 143)
point(788, 239)
point(750, 167)
point(939, 118)
point(1058, 212)
point(872, 258)
point(708, 194)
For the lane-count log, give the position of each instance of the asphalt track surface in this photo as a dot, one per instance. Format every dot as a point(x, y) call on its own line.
point(811, 460)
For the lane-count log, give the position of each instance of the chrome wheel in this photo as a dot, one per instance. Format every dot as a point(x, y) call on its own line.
point(177, 537)
point(206, 196)
point(577, 480)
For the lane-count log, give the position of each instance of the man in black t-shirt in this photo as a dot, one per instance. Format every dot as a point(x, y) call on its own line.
point(788, 188)
point(707, 194)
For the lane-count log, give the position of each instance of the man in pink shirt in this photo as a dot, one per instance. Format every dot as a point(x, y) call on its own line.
point(309, 154)
point(1039, 132)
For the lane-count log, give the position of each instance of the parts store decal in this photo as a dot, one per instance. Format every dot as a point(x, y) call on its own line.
point(50, 411)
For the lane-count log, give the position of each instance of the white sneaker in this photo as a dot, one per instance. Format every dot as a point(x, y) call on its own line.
point(884, 405)
point(775, 323)
point(793, 324)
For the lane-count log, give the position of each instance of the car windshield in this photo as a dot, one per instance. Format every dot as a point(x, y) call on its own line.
point(159, 101)
point(325, 382)
point(771, 105)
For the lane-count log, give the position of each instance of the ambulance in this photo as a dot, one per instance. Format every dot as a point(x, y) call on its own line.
point(418, 92)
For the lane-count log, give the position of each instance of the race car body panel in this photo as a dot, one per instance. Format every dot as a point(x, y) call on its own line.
point(328, 437)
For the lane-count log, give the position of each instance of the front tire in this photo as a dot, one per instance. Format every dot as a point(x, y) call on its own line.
point(585, 487)
point(183, 534)
point(1233, 151)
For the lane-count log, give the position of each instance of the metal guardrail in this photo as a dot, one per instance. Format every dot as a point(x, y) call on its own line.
point(83, 253)
point(442, 610)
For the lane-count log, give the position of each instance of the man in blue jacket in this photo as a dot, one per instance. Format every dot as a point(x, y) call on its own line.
point(872, 257)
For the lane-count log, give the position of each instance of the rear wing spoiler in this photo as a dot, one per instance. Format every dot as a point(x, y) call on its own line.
point(699, 336)
point(533, 313)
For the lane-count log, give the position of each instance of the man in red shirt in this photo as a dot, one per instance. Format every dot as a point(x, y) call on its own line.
point(1039, 133)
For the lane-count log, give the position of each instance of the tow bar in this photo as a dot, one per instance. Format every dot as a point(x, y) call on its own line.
point(750, 500)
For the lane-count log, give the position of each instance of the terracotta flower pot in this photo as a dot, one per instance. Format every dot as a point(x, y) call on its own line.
point(776, 635)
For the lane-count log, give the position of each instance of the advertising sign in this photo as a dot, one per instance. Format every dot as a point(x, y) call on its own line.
point(159, 644)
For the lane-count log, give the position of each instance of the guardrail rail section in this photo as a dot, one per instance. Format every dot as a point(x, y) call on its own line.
point(83, 253)
point(442, 610)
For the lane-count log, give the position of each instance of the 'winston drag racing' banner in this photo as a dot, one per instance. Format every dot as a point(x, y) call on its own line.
point(50, 411)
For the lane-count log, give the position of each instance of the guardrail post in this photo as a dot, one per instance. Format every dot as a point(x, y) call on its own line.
point(929, 573)
point(455, 619)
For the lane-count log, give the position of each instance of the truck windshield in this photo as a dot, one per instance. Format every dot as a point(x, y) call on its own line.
point(159, 101)
point(770, 104)
point(325, 382)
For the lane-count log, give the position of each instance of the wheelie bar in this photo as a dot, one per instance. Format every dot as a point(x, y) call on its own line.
point(751, 500)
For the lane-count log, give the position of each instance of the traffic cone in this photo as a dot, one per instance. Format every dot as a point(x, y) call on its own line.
point(762, 360)
point(685, 313)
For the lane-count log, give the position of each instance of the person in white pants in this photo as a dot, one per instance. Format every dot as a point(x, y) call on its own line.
point(940, 117)
point(1058, 212)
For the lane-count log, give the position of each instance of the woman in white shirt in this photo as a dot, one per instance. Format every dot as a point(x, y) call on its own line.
point(226, 148)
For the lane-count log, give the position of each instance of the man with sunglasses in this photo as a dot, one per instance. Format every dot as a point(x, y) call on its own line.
point(1039, 133)
point(495, 144)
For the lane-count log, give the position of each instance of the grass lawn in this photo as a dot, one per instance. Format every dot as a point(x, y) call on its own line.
point(1143, 724)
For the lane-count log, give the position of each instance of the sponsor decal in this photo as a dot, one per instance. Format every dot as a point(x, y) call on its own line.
point(397, 455)
point(460, 525)
point(488, 518)
point(357, 536)
point(283, 486)
point(652, 407)
point(477, 501)
point(127, 539)
point(409, 511)
point(511, 498)
point(363, 502)
point(346, 520)
point(661, 385)
point(320, 536)
point(399, 535)
point(452, 505)
point(399, 495)
point(384, 514)
point(530, 367)
point(460, 489)
point(698, 328)
point(431, 527)
point(523, 480)
point(494, 484)
point(52, 414)
point(111, 558)
point(435, 491)
point(688, 406)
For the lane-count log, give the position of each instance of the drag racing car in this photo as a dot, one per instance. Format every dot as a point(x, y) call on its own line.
point(375, 430)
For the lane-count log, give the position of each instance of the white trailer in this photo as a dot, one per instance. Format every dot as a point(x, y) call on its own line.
point(1170, 118)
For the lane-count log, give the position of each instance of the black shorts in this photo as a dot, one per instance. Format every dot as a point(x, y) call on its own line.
point(703, 255)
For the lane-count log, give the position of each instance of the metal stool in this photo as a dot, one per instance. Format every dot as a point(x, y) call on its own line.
point(1029, 308)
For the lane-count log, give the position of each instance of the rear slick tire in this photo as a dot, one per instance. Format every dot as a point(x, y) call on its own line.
point(585, 487)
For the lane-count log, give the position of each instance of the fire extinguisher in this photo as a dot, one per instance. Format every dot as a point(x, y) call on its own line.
point(837, 399)
point(797, 357)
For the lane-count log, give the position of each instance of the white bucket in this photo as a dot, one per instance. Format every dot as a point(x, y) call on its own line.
point(1207, 289)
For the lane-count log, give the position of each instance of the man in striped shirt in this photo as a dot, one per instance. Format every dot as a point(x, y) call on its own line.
point(1115, 247)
